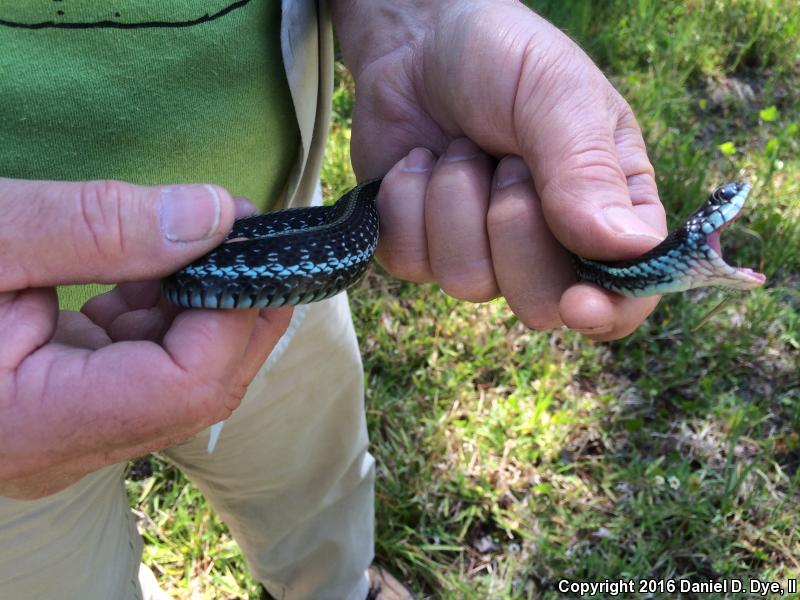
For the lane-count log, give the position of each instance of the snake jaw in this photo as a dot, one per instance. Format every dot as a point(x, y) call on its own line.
point(690, 256)
point(723, 208)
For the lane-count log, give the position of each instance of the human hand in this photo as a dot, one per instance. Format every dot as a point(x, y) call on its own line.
point(472, 82)
point(129, 374)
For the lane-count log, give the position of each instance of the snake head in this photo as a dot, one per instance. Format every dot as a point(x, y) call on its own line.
point(690, 256)
point(703, 230)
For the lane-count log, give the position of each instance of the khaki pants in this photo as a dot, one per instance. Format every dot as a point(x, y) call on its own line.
point(290, 475)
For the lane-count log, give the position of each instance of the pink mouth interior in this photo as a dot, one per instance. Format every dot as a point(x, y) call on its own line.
point(713, 240)
point(755, 275)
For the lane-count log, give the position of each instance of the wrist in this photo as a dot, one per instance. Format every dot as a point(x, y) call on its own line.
point(370, 29)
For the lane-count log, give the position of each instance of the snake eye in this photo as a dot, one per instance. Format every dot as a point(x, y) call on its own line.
point(725, 192)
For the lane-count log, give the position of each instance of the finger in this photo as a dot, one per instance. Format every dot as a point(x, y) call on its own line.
point(532, 269)
point(571, 114)
point(188, 384)
point(597, 313)
point(76, 330)
point(142, 324)
point(242, 340)
point(210, 339)
point(105, 308)
point(602, 315)
point(133, 311)
point(270, 325)
point(403, 245)
point(598, 193)
point(104, 231)
point(456, 206)
point(639, 175)
point(243, 207)
point(28, 320)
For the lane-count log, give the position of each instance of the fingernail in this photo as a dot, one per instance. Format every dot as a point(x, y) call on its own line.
point(510, 171)
point(189, 213)
point(461, 149)
point(625, 222)
point(419, 160)
point(243, 207)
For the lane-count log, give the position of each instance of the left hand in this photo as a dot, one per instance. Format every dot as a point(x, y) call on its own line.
point(129, 374)
point(447, 88)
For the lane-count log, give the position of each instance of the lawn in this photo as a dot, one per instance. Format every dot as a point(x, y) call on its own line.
point(510, 459)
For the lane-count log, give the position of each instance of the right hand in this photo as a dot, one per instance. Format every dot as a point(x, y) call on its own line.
point(129, 374)
point(573, 174)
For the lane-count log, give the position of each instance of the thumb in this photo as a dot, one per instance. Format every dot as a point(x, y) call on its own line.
point(591, 169)
point(55, 233)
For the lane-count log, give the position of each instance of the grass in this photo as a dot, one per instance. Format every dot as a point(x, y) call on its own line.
point(510, 459)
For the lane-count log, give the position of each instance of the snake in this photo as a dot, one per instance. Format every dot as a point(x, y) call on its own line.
point(285, 257)
point(302, 255)
point(690, 256)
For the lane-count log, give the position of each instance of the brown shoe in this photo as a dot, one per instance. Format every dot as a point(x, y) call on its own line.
point(383, 586)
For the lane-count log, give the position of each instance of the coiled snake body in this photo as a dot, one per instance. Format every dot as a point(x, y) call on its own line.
point(302, 255)
point(283, 258)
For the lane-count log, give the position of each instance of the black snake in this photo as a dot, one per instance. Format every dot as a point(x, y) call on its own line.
point(303, 255)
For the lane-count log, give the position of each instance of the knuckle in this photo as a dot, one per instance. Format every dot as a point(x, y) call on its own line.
point(644, 190)
point(512, 214)
point(590, 167)
point(640, 166)
point(552, 68)
point(617, 100)
point(233, 400)
point(214, 402)
point(410, 264)
point(590, 149)
point(99, 217)
point(472, 282)
point(551, 80)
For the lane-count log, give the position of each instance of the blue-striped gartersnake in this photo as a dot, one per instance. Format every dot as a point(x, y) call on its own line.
point(302, 255)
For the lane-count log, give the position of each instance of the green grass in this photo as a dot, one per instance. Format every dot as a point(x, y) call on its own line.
point(510, 459)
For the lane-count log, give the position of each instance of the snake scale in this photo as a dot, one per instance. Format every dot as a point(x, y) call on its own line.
point(303, 255)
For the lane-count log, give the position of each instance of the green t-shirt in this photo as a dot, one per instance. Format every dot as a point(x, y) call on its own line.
point(151, 92)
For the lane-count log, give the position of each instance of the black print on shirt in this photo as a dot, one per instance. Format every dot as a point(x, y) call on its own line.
point(118, 15)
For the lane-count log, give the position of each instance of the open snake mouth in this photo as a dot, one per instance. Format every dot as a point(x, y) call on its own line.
point(731, 198)
point(689, 257)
